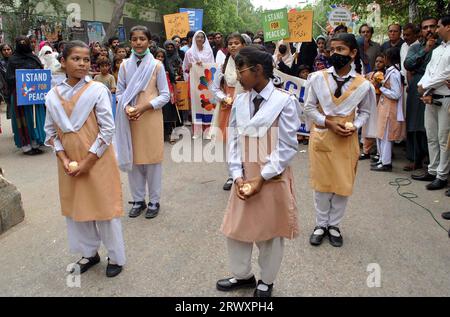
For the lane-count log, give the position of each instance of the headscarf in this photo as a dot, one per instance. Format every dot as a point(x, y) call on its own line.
point(247, 39)
point(48, 60)
point(23, 58)
point(205, 55)
point(173, 60)
point(287, 58)
point(42, 44)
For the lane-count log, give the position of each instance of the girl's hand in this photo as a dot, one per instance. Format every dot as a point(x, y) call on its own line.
point(238, 184)
point(255, 184)
point(199, 63)
point(85, 165)
point(338, 128)
point(139, 111)
point(189, 66)
point(66, 162)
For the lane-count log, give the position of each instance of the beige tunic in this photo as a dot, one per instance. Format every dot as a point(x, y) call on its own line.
point(333, 159)
point(147, 133)
point(387, 115)
point(270, 213)
point(96, 195)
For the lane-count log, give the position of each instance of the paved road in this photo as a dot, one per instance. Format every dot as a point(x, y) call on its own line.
point(182, 253)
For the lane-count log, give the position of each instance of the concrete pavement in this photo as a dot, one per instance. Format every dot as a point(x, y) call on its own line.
point(182, 252)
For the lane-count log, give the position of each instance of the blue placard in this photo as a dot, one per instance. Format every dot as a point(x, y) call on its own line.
point(195, 18)
point(32, 85)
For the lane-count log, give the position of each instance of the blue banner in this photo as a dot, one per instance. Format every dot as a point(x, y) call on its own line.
point(32, 85)
point(195, 18)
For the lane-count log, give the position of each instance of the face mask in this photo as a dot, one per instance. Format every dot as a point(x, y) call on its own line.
point(147, 51)
point(339, 61)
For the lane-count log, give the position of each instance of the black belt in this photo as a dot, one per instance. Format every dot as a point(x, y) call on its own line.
point(434, 96)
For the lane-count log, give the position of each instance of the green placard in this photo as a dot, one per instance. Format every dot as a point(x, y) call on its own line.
point(275, 25)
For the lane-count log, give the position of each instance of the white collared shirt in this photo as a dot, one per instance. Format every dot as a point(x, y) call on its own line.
point(287, 145)
point(438, 70)
point(103, 113)
point(364, 108)
point(403, 53)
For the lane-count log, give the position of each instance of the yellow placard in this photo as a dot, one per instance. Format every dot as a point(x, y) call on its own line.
point(176, 24)
point(300, 26)
point(182, 92)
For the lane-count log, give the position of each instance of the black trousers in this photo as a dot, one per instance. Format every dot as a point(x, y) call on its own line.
point(416, 147)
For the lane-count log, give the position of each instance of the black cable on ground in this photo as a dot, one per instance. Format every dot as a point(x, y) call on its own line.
point(401, 182)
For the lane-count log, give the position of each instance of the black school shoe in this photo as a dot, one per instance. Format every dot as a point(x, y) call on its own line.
point(382, 168)
point(261, 293)
point(225, 285)
point(86, 263)
point(228, 184)
point(113, 269)
point(437, 184)
point(152, 213)
point(446, 215)
point(316, 239)
point(137, 208)
point(335, 241)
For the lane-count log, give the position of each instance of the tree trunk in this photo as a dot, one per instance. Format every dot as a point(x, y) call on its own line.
point(115, 19)
point(413, 11)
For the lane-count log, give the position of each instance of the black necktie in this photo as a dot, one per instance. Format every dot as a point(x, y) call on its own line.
point(338, 91)
point(257, 102)
point(139, 62)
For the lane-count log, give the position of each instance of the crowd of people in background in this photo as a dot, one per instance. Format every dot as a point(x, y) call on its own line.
point(411, 107)
point(391, 93)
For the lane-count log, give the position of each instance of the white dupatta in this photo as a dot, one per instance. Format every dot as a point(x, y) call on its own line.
point(138, 82)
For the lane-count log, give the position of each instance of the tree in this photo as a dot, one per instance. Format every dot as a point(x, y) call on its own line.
point(116, 17)
point(21, 16)
point(218, 15)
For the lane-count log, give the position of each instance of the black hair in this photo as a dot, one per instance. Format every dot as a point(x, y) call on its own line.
point(143, 29)
point(380, 55)
point(371, 30)
point(234, 35)
point(426, 19)
point(116, 58)
point(32, 36)
point(190, 35)
point(176, 36)
point(350, 41)
point(303, 67)
point(397, 24)
point(259, 37)
point(112, 39)
point(61, 43)
point(211, 34)
point(70, 46)
point(156, 39)
point(445, 20)
point(253, 55)
point(411, 26)
point(341, 27)
point(103, 60)
point(393, 55)
point(120, 46)
point(250, 33)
